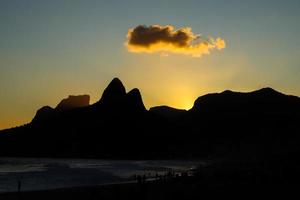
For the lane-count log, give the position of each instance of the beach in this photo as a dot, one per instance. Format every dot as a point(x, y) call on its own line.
point(170, 189)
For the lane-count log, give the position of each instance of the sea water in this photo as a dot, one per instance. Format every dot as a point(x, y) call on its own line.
point(43, 174)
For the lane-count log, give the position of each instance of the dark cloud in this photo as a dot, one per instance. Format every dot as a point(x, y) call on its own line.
point(156, 38)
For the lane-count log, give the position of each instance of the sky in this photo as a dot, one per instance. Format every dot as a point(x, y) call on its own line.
point(52, 49)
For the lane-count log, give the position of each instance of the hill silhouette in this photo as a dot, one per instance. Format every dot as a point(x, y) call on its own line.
point(73, 102)
point(69, 103)
point(167, 111)
point(258, 124)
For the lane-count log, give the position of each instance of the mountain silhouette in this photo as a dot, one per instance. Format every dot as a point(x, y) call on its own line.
point(134, 100)
point(115, 99)
point(43, 114)
point(252, 124)
point(73, 102)
point(262, 101)
point(167, 111)
point(114, 93)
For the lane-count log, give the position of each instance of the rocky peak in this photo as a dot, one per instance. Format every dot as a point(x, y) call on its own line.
point(44, 113)
point(134, 99)
point(73, 102)
point(114, 92)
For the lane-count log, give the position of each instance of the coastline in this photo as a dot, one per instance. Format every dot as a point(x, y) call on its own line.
point(182, 188)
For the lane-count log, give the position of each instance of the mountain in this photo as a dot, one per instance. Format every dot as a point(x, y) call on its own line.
point(167, 111)
point(256, 123)
point(115, 98)
point(45, 113)
point(134, 100)
point(73, 102)
point(253, 124)
point(115, 93)
point(263, 100)
point(76, 129)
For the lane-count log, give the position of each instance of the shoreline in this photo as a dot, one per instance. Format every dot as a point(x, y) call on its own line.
point(188, 187)
point(69, 187)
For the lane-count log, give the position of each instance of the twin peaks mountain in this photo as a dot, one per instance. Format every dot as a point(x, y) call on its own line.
point(115, 96)
point(114, 99)
point(254, 124)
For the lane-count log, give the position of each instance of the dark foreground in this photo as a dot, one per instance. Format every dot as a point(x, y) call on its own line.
point(173, 188)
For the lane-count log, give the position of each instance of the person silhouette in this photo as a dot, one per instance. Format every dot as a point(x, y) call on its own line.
point(144, 178)
point(139, 179)
point(19, 189)
point(19, 186)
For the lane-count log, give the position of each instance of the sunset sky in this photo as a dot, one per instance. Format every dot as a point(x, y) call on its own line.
point(51, 49)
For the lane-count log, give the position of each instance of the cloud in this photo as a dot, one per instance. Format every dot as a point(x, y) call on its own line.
point(165, 39)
